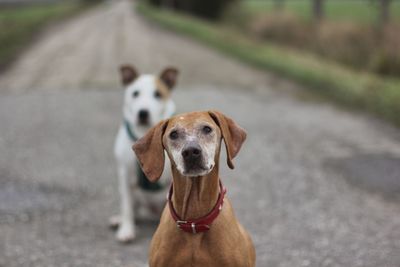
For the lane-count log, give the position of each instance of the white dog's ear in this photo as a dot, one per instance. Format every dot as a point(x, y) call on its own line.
point(128, 74)
point(150, 151)
point(169, 76)
point(233, 135)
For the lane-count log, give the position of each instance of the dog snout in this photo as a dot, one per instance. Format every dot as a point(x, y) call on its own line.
point(143, 116)
point(191, 153)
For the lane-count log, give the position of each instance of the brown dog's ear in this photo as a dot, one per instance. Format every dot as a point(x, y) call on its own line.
point(169, 77)
point(150, 151)
point(233, 135)
point(128, 74)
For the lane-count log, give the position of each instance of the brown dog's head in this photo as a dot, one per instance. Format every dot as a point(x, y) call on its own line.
point(192, 141)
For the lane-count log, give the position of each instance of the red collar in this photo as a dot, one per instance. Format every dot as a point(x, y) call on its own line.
point(202, 224)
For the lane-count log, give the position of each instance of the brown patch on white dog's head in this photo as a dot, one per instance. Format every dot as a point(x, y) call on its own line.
point(162, 89)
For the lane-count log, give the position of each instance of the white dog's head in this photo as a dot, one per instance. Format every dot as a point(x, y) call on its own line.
point(147, 97)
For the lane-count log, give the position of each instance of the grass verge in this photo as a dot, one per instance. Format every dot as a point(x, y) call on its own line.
point(337, 10)
point(346, 86)
point(19, 25)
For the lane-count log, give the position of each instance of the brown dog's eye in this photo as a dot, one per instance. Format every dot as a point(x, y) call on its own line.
point(207, 129)
point(157, 94)
point(135, 94)
point(173, 135)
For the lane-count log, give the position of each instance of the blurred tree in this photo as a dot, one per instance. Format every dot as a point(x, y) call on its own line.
point(90, 1)
point(209, 9)
point(168, 4)
point(384, 11)
point(279, 4)
point(318, 9)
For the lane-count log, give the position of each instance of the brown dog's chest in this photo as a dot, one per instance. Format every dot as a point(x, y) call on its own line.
point(221, 246)
point(199, 252)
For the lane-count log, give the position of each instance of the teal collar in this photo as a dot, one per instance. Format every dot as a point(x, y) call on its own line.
point(129, 131)
point(143, 182)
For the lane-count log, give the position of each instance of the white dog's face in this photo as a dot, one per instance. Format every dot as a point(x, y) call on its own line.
point(193, 142)
point(147, 99)
point(146, 103)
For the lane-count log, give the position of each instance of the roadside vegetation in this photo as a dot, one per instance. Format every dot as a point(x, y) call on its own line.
point(357, 33)
point(360, 11)
point(20, 24)
point(350, 86)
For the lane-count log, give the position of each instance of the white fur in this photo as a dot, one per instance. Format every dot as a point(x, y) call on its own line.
point(134, 201)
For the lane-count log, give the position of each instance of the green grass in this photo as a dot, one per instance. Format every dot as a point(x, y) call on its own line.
point(18, 25)
point(355, 89)
point(350, 10)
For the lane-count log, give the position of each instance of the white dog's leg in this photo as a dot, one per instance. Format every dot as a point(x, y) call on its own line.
point(126, 230)
point(114, 221)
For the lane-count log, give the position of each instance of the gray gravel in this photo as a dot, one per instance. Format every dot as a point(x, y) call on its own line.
point(315, 185)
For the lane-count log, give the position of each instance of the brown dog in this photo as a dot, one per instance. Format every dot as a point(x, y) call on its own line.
point(198, 226)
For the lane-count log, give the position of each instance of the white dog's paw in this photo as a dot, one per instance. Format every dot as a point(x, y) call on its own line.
point(125, 234)
point(114, 221)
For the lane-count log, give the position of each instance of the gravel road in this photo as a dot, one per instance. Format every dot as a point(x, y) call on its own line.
point(315, 185)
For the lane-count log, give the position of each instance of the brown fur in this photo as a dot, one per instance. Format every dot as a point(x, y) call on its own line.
point(168, 76)
point(226, 243)
point(163, 89)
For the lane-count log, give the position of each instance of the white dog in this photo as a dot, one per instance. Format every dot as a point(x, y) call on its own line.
point(147, 101)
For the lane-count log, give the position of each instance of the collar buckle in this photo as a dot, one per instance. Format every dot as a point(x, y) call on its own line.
point(193, 228)
point(179, 223)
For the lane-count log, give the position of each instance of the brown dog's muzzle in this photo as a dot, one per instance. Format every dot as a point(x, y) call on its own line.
point(192, 157)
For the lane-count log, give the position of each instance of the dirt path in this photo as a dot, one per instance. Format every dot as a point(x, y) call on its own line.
point(87, 51)
point(315, 185)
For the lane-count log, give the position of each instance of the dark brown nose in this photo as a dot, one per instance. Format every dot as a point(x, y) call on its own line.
point(191, 153)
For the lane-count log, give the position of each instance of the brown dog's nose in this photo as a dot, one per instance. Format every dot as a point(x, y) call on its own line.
point(191, 152)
